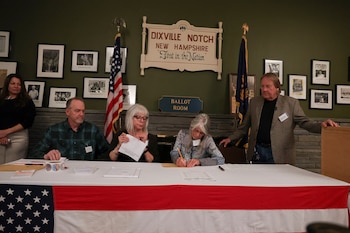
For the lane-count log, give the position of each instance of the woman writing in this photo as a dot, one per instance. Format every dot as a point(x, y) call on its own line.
point(136, 123)
point(195, 147)
point(17, 113)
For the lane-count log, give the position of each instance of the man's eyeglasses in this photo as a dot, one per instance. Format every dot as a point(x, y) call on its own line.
point(144, 118)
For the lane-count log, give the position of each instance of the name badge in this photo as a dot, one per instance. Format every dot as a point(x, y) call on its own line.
point(283, 117)
point(88, 149)
point(196, 142)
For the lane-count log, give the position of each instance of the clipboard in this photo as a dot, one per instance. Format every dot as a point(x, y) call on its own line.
point(15, 167)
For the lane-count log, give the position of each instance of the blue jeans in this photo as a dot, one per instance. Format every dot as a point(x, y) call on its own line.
point(263, 154)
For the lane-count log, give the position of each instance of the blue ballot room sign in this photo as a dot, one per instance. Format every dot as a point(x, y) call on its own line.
point(180, 104)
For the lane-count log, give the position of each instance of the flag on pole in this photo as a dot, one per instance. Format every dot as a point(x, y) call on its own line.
point(115, 92)
point(242, 93)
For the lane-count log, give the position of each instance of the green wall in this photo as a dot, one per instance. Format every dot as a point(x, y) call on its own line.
point(292, 31)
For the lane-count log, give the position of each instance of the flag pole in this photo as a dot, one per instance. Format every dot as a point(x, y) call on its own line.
point(115, 91)
point(120, 24)
point(242, 97)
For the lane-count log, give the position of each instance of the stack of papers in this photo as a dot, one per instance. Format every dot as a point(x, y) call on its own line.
point(123, 172)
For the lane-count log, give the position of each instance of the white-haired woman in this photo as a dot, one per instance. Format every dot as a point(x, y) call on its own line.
point(195, 147)
point(136, 124)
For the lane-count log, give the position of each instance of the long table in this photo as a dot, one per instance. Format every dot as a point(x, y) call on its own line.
point(240, 198)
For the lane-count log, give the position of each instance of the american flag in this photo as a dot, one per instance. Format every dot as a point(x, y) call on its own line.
point(119, 208)
point(26, 208)
point(115, 93)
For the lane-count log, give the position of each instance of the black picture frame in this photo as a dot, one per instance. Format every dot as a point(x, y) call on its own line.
point(50, 61)
point(342, 94)
point(321, 99)
point(274, 66)
point(36, 91)
point(84, 61)
point(59, 96)
point(6, 68)
point(109, 53)
point(297, 86)
point(95, 88)
point(320, 72)
point(4, 43)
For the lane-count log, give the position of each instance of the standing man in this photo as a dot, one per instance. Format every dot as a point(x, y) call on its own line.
point(271, 119)
point(73, 138)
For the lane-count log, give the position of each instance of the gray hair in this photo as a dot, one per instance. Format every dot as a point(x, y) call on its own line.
point(133, 111)
point(202, 122)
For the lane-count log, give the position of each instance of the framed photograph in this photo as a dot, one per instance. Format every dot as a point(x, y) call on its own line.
point(59, 96)
point(348, 68)
point(109, 54)
point(129, 96)
point(321, 99)
point(85, 61)
point(343, 94)
point(96, 88)
point(50, 61)
point(4, 43)
point(35, 90)
point(320, 71)
point(233, 88)
point(297, 86)
point(6, 68)
point(274, 66)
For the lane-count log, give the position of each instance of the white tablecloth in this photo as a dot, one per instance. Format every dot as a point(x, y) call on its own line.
point(242, 198)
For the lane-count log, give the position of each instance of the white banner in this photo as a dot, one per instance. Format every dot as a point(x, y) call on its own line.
point(181, 46)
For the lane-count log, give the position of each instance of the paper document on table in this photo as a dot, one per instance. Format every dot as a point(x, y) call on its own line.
point(35, 161)
point(123, 172)
point(84, 170)
point(133, 148)
point(197, 175)
point(23, 173)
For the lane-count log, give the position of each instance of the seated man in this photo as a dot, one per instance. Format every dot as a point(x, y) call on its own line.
point(73, 138)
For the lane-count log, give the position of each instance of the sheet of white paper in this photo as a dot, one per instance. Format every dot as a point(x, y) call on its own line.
point(196, 175)
point(123, 172)
point(133, 148)
point(84, 170)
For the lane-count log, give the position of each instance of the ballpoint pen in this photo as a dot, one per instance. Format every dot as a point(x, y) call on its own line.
point(221, 168)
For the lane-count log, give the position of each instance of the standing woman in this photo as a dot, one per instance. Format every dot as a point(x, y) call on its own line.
point(17, 112)
point(136, 124)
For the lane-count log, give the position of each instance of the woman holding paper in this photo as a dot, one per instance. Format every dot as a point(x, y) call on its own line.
point(195, 147)
point(136, 128)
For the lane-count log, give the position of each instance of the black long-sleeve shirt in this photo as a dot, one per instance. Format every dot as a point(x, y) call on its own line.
point(12, 114)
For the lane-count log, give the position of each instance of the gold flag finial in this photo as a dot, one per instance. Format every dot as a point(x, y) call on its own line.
point(120, 24)
point(245, 28)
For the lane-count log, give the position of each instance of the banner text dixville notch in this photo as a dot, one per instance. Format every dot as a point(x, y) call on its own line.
point(181, 46)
